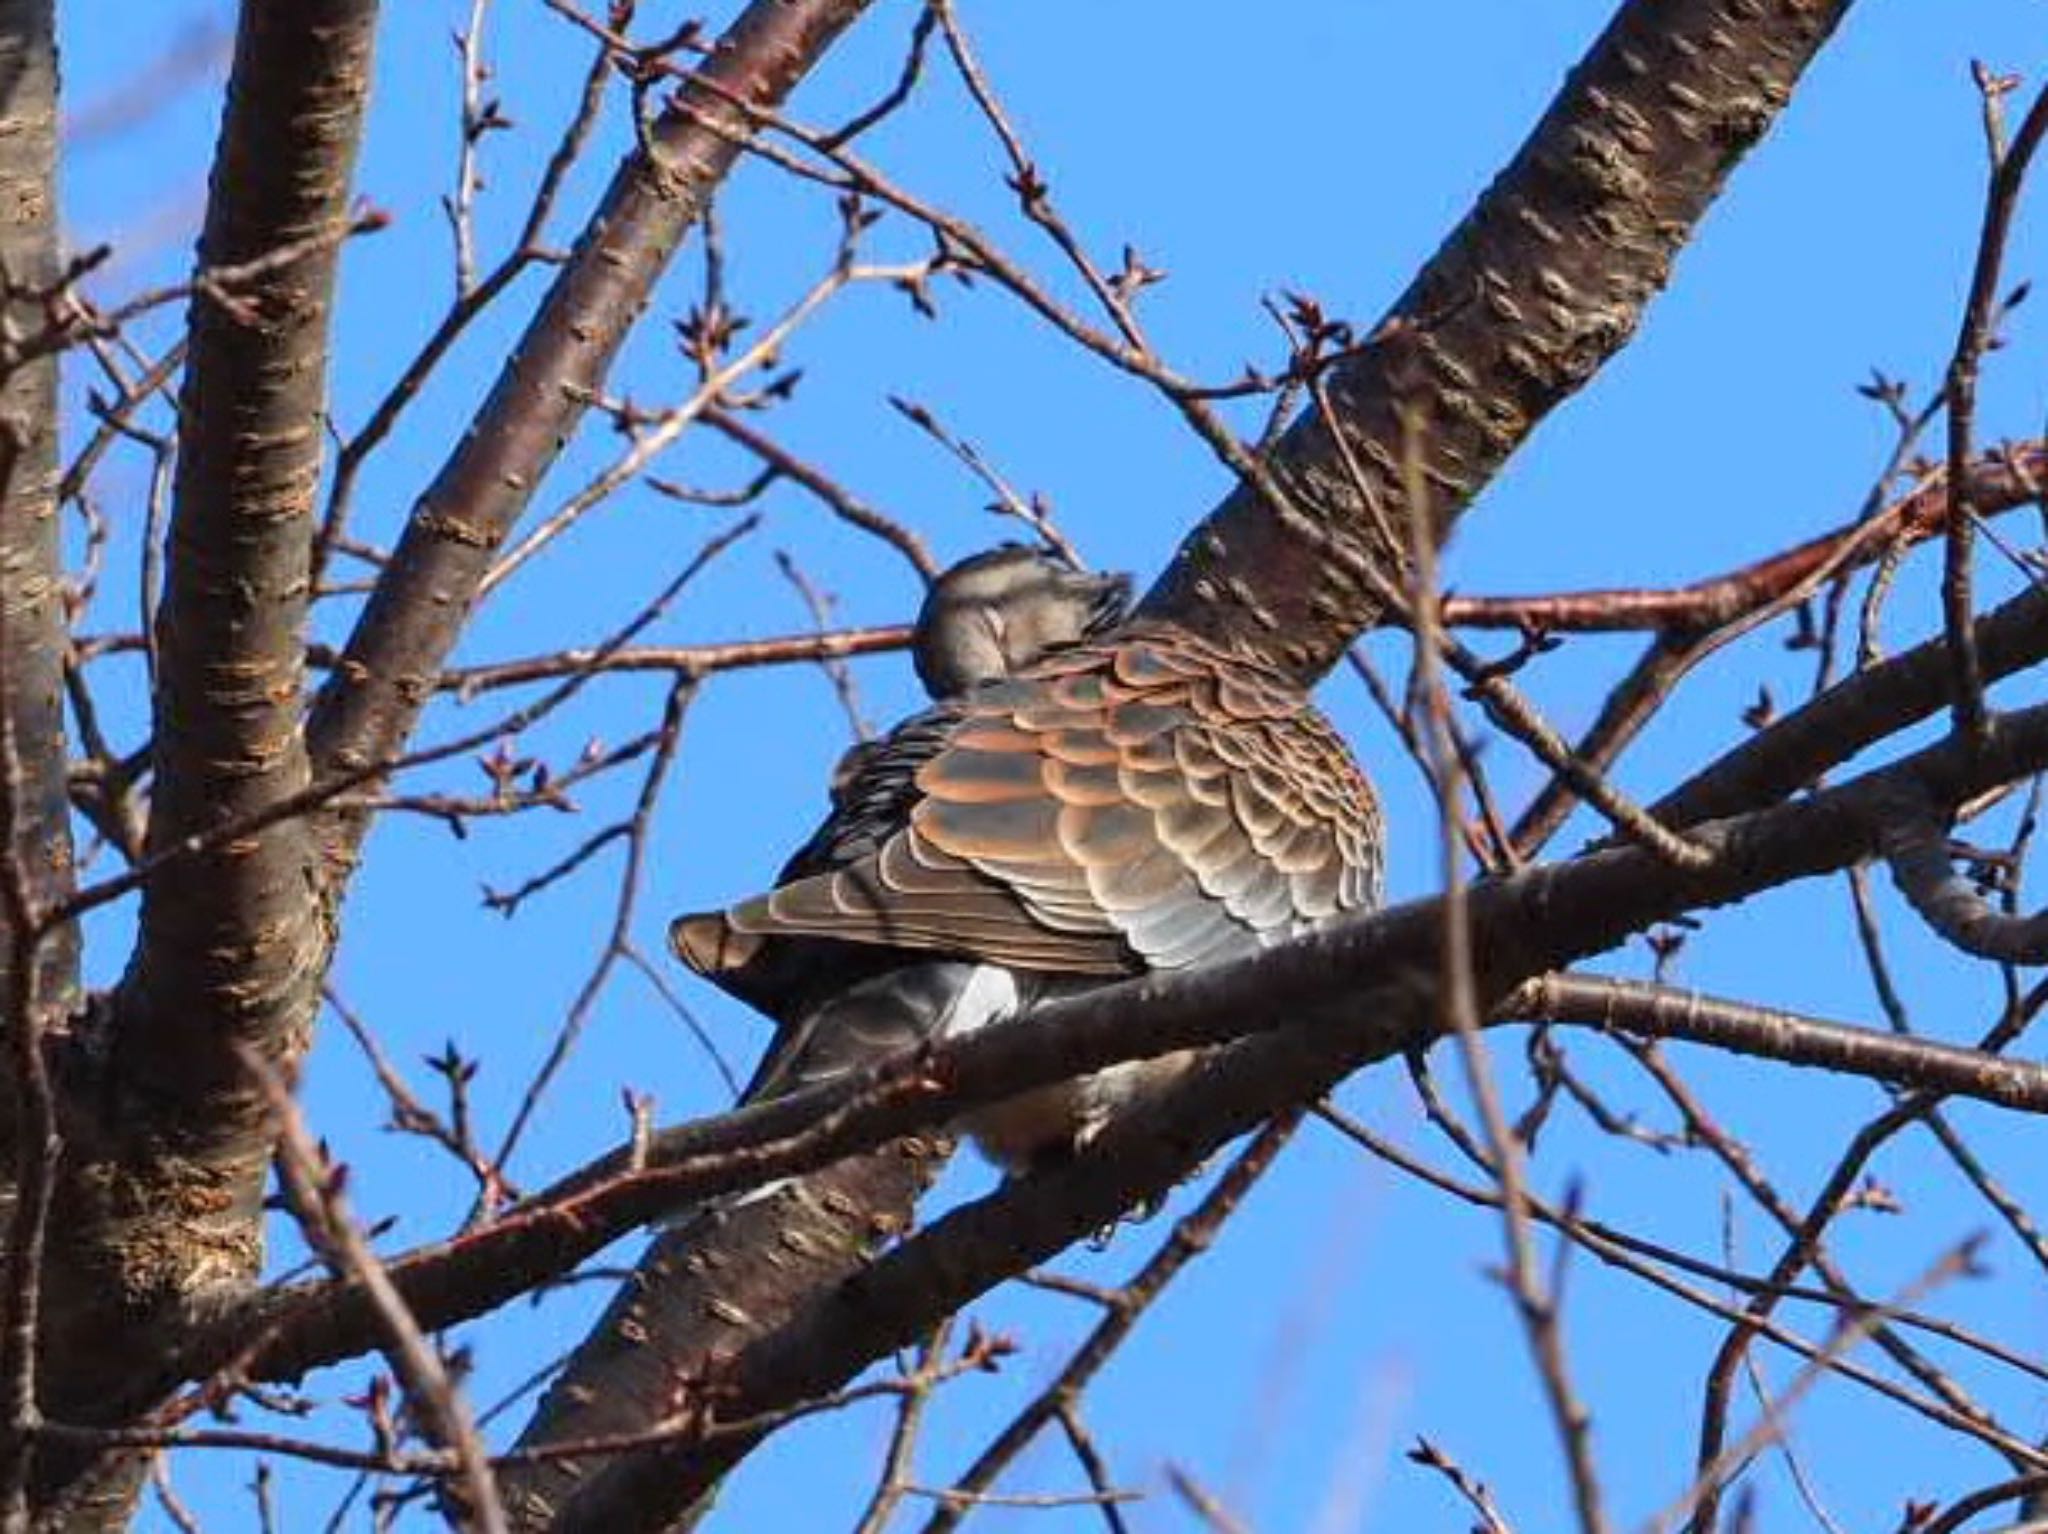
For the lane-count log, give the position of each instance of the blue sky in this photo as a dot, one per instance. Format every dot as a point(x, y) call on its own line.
point(1317, 146)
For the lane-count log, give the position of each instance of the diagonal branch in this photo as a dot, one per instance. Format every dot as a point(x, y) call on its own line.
point(369, 707)
point(1855, 714)
point(1542, 283)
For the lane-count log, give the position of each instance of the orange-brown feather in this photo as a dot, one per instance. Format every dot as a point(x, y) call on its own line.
point(1155, 802)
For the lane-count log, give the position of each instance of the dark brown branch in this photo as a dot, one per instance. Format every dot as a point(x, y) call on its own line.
point(231, 947)
point(659, 1351)
point(2008, 175)
point(1537, 1303)
point(1958, 1514)
point(32, 617)
point(636, 831)
point(1916, 846)
point(1542, 283)
point(1997, 481)
point(1768, 1033)
point(37, 1144)
point(1868, 707)
point(39, 980)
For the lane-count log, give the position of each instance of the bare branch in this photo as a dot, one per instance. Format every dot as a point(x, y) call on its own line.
point(313, 1188)
point(1915, 844)
point(2008, 175)
point(1541, 284)
point(370, 706)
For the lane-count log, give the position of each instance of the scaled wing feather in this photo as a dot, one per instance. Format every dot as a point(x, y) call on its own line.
point(1154, 802)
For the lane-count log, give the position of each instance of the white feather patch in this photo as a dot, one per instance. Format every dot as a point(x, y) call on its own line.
point(989, 996)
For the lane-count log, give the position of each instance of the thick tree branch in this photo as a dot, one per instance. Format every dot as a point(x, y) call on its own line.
point(38, 969)
point(32, 615)
point(230, 948)
point(1851, 716)
point(1916, 846)
point(660, 1349)
point(165, 1193)
point(1544, 281)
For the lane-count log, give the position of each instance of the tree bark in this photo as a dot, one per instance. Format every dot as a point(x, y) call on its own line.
point(168, 1150)
point(698, 1295)
point(1544, 280)
point(39, 976)
point(33, 637)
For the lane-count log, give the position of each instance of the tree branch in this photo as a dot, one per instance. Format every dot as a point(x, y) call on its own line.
point(1544, 280)
point(659, 1352)
point(165, 1195)
point(370, 704)
point(38, 968)
point(1853, 715)
point(32, 613)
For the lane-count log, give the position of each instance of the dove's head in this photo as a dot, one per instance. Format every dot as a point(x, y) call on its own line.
point(997, 612)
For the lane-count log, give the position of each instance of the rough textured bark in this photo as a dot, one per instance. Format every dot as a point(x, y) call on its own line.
point(1544, 280)
point(698, 1295)
point(32, 617)
point(38, 979)
point(165, 1172)
point(1540, 284)
point(369, 706)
